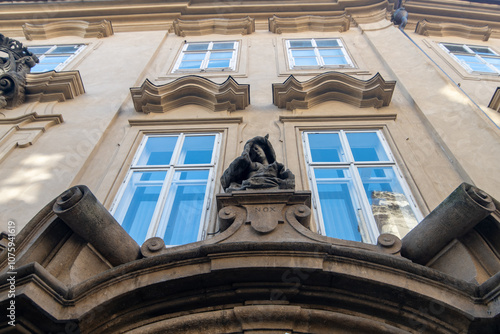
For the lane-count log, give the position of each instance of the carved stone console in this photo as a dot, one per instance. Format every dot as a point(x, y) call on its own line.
point(15, 62)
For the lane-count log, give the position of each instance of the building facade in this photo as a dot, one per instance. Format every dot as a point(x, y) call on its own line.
point(384, 116)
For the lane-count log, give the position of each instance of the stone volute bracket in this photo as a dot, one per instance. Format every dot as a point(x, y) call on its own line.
point(333, 86)
point(191, 89)
point(15, 63)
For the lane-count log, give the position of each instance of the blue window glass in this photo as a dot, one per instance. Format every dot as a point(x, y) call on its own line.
point(52, 57)
point(157, 151)
point(366, 146)
point(317, 53)
point(326, 147)
point(197, 46)
point(167, 187)
point(186, 197)
point(208, 55)
point(336, 191)
point(197, 150)
point(138, 203)
point(475, 58)
point(357, 192)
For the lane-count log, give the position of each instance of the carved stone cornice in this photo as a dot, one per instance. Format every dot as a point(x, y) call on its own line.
point(15, 62)
point(460, 12)
point(442, 29)
point(280, 25)
point(333, 86)
point(191, 89)
point(243, 26)
point(53, 86)
point(79, 28)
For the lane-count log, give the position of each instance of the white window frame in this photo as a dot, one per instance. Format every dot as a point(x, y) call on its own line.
point(155, 226)
point(47, 53)
point(471, 52)
point(319, 58)
point(204, 64)
point(367, 225)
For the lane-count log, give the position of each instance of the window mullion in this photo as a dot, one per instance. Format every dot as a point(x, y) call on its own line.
point(370, 226)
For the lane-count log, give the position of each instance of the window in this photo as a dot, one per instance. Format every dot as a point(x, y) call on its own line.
point(481, 59)
point(167, 189)
point(54, 57)
point(357, 189)
point(317, 53)
point(208, 56)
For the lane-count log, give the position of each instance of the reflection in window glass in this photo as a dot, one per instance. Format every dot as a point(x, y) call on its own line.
point(326, 147)
point(182, 218)
point(139, 202)
point(197, 150)
point(54, 57)
point(335, 192)
point(366, 146)
point(473, 58)
point(167, 188)
point(317, 53)
point(387, 198)
point(208, 56)
point(157, 151)
point(358, 191)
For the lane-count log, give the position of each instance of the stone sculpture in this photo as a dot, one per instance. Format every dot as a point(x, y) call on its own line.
point(15, 62)
point(257, 168)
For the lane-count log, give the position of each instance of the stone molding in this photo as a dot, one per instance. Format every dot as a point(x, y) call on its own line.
point(153, 14)
point(25, 130)
point(191, 89)
point(333, 86)
point(458, 12)
point(280, 25)
point(53, 86)
point(495, 100)
point(222, 26)
point(443, 29)
point(79, 28)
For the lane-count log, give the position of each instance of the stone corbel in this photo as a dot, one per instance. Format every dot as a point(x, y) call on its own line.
point(243, 26)
point(191, 89)
point(333, 86)
point(79, 28)
point(443, 29)
point(280, 25)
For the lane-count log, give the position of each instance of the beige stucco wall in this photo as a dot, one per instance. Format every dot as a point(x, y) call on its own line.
point(437, 137)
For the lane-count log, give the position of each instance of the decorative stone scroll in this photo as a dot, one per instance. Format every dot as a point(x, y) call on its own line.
point(15, 62)
point(461, 211)
point(443, 29)
point(280, 25)
point(191, 89)
point(333, 86)
point(79, 28)
point(243, 26)
point(53, 86)
point(88, 218)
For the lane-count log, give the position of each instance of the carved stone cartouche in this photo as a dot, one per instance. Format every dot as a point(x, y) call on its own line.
point(15, 62)
point(257, 168)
